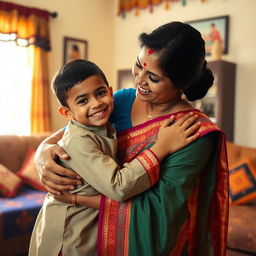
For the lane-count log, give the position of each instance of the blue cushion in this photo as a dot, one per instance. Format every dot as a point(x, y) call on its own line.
point(18, 214)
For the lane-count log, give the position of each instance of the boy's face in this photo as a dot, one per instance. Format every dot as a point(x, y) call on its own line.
point(90, 102)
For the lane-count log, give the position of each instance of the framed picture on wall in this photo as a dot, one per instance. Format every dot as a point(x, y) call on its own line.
point(213, 29)
point(74, 49)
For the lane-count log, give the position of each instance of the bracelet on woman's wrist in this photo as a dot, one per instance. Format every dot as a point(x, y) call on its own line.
point(74, 200)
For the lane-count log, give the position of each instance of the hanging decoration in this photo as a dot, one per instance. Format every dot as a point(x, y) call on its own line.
point(136, 5)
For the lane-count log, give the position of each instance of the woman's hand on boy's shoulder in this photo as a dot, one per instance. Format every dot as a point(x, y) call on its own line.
point(53, 176)
point(176, 135)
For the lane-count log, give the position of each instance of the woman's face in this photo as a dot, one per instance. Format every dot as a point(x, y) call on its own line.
point(152, 84)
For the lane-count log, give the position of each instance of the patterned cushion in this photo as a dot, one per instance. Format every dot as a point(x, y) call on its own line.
point(242, 182)
point(9, 182)
point(28, 172)
point(17, 218)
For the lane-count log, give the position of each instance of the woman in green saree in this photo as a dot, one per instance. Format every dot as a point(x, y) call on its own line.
point(186, 212)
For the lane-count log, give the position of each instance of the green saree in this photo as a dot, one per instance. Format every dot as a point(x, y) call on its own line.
point(185, 213)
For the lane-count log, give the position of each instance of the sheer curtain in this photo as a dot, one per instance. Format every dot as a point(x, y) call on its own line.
point(15, 89)
point(24, 81)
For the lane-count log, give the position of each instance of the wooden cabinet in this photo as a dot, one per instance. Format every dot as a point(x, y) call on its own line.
point(219, 103)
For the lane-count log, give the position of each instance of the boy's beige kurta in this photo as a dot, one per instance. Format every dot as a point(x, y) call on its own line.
point(73, 230)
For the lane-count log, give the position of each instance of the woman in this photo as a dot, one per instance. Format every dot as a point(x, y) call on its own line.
point(186, 212)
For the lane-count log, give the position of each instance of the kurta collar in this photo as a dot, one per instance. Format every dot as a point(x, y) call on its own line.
point(106, 130)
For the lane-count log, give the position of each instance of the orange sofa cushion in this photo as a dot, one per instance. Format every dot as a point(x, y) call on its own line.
point(242, 177)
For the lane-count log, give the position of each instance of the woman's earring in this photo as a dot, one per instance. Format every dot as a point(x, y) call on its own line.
point(182, 95)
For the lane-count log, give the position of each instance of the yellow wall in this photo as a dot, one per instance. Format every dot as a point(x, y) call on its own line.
point(113, 42)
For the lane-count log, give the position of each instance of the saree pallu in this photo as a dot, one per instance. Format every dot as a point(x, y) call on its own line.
point(169, 220)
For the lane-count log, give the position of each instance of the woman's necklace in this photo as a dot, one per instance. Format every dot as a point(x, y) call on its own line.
point(149, 117)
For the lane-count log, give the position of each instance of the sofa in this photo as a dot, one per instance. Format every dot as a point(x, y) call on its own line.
point(242, 216)
point(18, 208)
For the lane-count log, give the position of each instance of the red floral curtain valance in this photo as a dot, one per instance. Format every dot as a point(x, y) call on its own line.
point(24, 25)
point(128, 5)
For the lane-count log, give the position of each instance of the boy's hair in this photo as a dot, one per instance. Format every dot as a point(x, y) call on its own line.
point(74, 73)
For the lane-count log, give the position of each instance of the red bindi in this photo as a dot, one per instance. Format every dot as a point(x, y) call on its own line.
point(144, 64)
point(150, 51)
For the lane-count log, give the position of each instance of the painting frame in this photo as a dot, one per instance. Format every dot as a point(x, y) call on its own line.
point(74, 48)
point(204, 25)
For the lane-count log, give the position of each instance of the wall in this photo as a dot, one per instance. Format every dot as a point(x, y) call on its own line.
point(113, 42)
point(242, 48)
point(85, 19)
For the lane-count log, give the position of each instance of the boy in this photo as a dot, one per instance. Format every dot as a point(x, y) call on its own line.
point(87, 101)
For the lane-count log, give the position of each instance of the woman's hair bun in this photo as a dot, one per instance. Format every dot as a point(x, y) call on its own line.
point(198, 89)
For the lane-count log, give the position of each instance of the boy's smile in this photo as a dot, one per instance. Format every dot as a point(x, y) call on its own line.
point(90, 102)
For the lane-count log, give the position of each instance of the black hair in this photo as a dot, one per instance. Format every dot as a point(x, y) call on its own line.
point(75, 47)
point(182, 57)
point(74, 73)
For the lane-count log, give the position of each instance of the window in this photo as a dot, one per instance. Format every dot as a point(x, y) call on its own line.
point(15, 88)
point(24, 78)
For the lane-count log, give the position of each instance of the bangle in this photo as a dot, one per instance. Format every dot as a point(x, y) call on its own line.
point(154, 155)
point(74, 198)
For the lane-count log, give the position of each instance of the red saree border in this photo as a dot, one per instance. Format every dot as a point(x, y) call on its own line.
point(113, 223)
point(132, 140)
point(220, 204)
point(182, 238)
point(100, 226)
point(157, 122)
point(160, 119)
point(151, 164)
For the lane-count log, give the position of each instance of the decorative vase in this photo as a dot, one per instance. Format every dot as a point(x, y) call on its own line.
point(216, 50)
